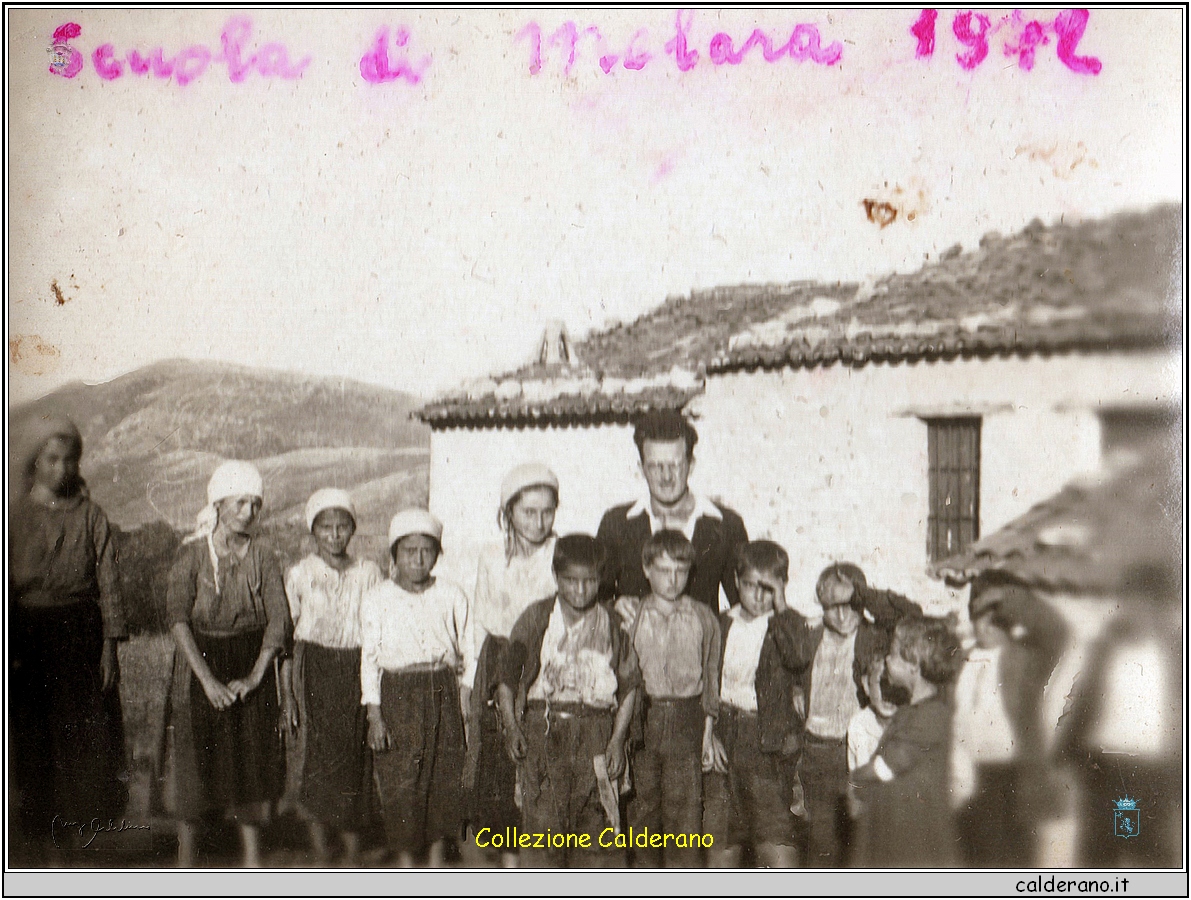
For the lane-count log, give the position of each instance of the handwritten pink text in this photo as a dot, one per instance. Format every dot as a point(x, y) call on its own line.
point(1020, 38)
point(569, 42)
point(376, 66)
point(271, 60)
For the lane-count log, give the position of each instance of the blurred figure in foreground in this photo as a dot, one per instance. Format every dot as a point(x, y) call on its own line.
point(1122, 731)
point(999, 779)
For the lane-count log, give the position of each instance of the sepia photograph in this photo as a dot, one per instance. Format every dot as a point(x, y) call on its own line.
point(471, 440)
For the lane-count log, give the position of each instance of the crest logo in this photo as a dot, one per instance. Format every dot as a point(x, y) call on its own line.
point(1126, 818)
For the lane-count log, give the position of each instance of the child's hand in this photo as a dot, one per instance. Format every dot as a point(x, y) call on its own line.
point(220, 695)
point(378, 732)
point(515, 741)
point(715, 758)
point(615, 758)
point(109, 665)
point(775, 590)
point(241, 687)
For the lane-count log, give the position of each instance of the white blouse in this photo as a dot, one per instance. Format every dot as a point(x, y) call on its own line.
point(325, 603)
point(400, 630)
point(504, 589)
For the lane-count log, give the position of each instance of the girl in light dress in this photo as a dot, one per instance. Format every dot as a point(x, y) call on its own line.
point(512, 575)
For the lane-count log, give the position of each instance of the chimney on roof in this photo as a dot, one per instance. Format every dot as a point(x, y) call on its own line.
point(556, 348)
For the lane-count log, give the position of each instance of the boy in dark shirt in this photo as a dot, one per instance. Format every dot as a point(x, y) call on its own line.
point(568, 686)
point(757, 729)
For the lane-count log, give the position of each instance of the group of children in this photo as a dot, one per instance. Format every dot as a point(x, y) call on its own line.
point(647, 730)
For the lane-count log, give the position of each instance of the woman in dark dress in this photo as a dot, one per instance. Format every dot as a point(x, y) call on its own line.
point(65, 618)
point(227, 608)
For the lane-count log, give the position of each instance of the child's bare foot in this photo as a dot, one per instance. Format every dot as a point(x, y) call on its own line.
point(351, 850)
point(250, 839)
point(438, 857)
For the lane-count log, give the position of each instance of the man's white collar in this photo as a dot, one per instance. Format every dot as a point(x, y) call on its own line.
point(703, 507)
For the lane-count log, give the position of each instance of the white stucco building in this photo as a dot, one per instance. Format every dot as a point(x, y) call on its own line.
point(890, 424)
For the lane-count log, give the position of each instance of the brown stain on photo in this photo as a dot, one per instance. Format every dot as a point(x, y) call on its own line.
point(879, 212)
point(890, 203)
point(59, 297)
point(28, 354)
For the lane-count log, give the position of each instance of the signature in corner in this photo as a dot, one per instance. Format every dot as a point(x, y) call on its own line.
point(90, 829)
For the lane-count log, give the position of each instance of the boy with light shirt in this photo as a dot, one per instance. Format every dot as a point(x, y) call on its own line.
point(568, 686)
point(756, 728)
point(677, 641)
point(825, 655)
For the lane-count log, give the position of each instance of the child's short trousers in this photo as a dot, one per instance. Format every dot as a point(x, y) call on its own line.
point(751, 804)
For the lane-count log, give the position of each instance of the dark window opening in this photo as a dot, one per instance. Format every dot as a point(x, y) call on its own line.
point(953, 446)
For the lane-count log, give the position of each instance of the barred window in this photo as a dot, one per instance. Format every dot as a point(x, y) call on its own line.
point(953, 446)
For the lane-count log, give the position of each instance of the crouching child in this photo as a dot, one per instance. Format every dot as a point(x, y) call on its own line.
point(568, 682)
point(757, 732)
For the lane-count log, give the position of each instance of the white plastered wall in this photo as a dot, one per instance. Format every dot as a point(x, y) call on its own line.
point(830, 462)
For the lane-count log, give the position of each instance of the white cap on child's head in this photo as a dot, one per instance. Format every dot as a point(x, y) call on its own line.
point(414, 521)
point(328, 498)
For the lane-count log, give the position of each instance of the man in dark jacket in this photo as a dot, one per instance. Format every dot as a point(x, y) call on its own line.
point(666, 442)
point(824, 655)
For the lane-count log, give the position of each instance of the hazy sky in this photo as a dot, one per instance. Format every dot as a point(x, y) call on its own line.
point(415, 235)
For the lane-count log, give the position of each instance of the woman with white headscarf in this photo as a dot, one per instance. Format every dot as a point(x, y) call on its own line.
point(227, 608)
point(323, 681)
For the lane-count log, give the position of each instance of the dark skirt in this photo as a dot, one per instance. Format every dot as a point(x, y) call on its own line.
point(421, 777)
point(238, 755)
point(493, 793)
point(336, 770)
point(66, 745)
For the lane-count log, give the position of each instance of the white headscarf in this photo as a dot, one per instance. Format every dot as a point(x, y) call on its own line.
point(234, 478)
point(328, 498)
point(414, 521)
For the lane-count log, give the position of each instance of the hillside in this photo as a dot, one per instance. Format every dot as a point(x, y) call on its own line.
point(152, 438)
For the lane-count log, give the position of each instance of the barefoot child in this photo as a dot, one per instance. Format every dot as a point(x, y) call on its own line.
point(826, 655)
point(416, 642)
point(677, 641)
point(750, 804)
point(323, 678)
point(904, 788)
point(568, 684)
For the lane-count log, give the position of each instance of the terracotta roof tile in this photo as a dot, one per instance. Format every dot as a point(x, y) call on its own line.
point(1105, 284)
